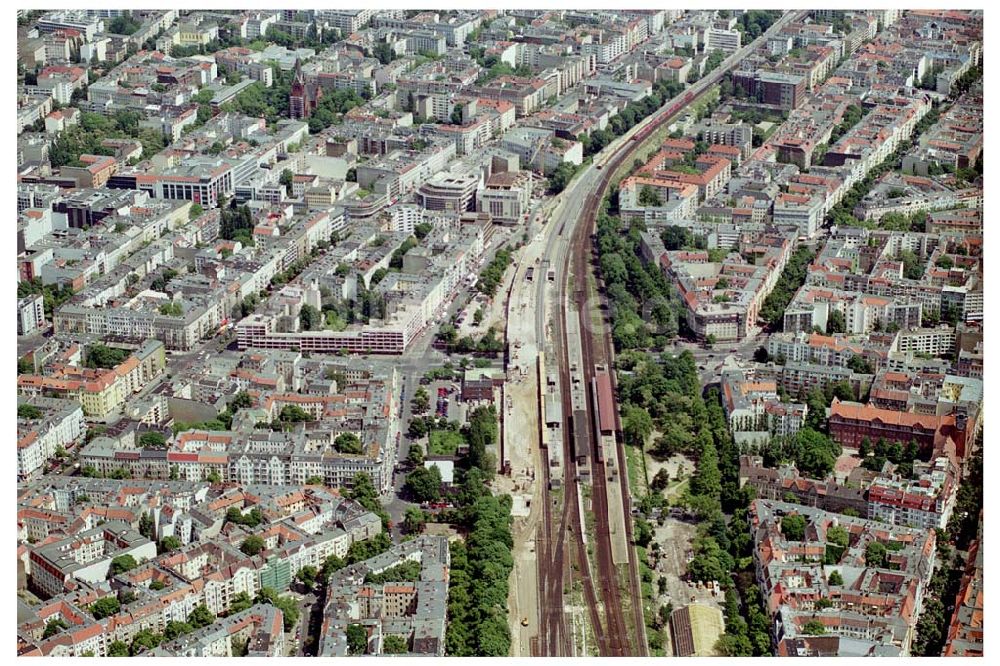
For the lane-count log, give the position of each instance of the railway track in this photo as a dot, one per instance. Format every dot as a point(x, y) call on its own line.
point(617, 636)
point(554, 639)
point(613, 636)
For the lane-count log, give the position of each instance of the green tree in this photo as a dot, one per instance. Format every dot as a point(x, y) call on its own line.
point(837, 535)
point(813, 628)
point(152, 440)
point(175, 629)
point(707, 479)
point(144, 640)
point(732, 645)
point(200, 617)
point(240, 603)
point(649, 197)
point(105, 607)
point(660, 481)
point(815, 454)
point(101, 356)
point(415, 455)
point(122, 563)
point(146, 525)
point(876, 555)
point(860, 365)
point(241, 400)
point(394, 644)
point(493, 637)
point(29, 412)
point(357, 639)
point(307, 575)
point(424, 484)
point(293, 414)
point(793, 527)
point(643, 532)
point(252, 545)
point(413, 520)
point(710, 561)
point(348, 442)
point(53, 627)
point(310, 319)
point(421, 401)
point(637, 426)
point(331, 565)
point(835, 578)
point(286, 178)
point(117, 649)
point(835, 323)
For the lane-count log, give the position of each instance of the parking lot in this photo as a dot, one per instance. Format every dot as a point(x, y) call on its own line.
point(674, 538)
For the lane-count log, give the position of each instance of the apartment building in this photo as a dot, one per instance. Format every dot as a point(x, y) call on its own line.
point(727, 41)
point(415, 610)
point(754, 410)
point(793, 577)
point(85, 556)
point(30, 314)
point(60, 425)
point(99, 391)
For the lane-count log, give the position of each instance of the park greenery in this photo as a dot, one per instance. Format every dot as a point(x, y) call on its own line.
point(101, 356)
point(87, 137)
point(271, 103)
point(644, 306)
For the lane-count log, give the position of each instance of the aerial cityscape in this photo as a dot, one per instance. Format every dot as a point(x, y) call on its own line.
point(505, 333)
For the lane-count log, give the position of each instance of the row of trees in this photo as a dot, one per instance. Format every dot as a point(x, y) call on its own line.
point(480, 569)
point(560, 177)
point(843, 213)
point(964, 527)
point(492, 275)
point(723, 547)
point(793, 277)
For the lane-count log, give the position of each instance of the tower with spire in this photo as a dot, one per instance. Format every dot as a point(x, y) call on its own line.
point(303, 97)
